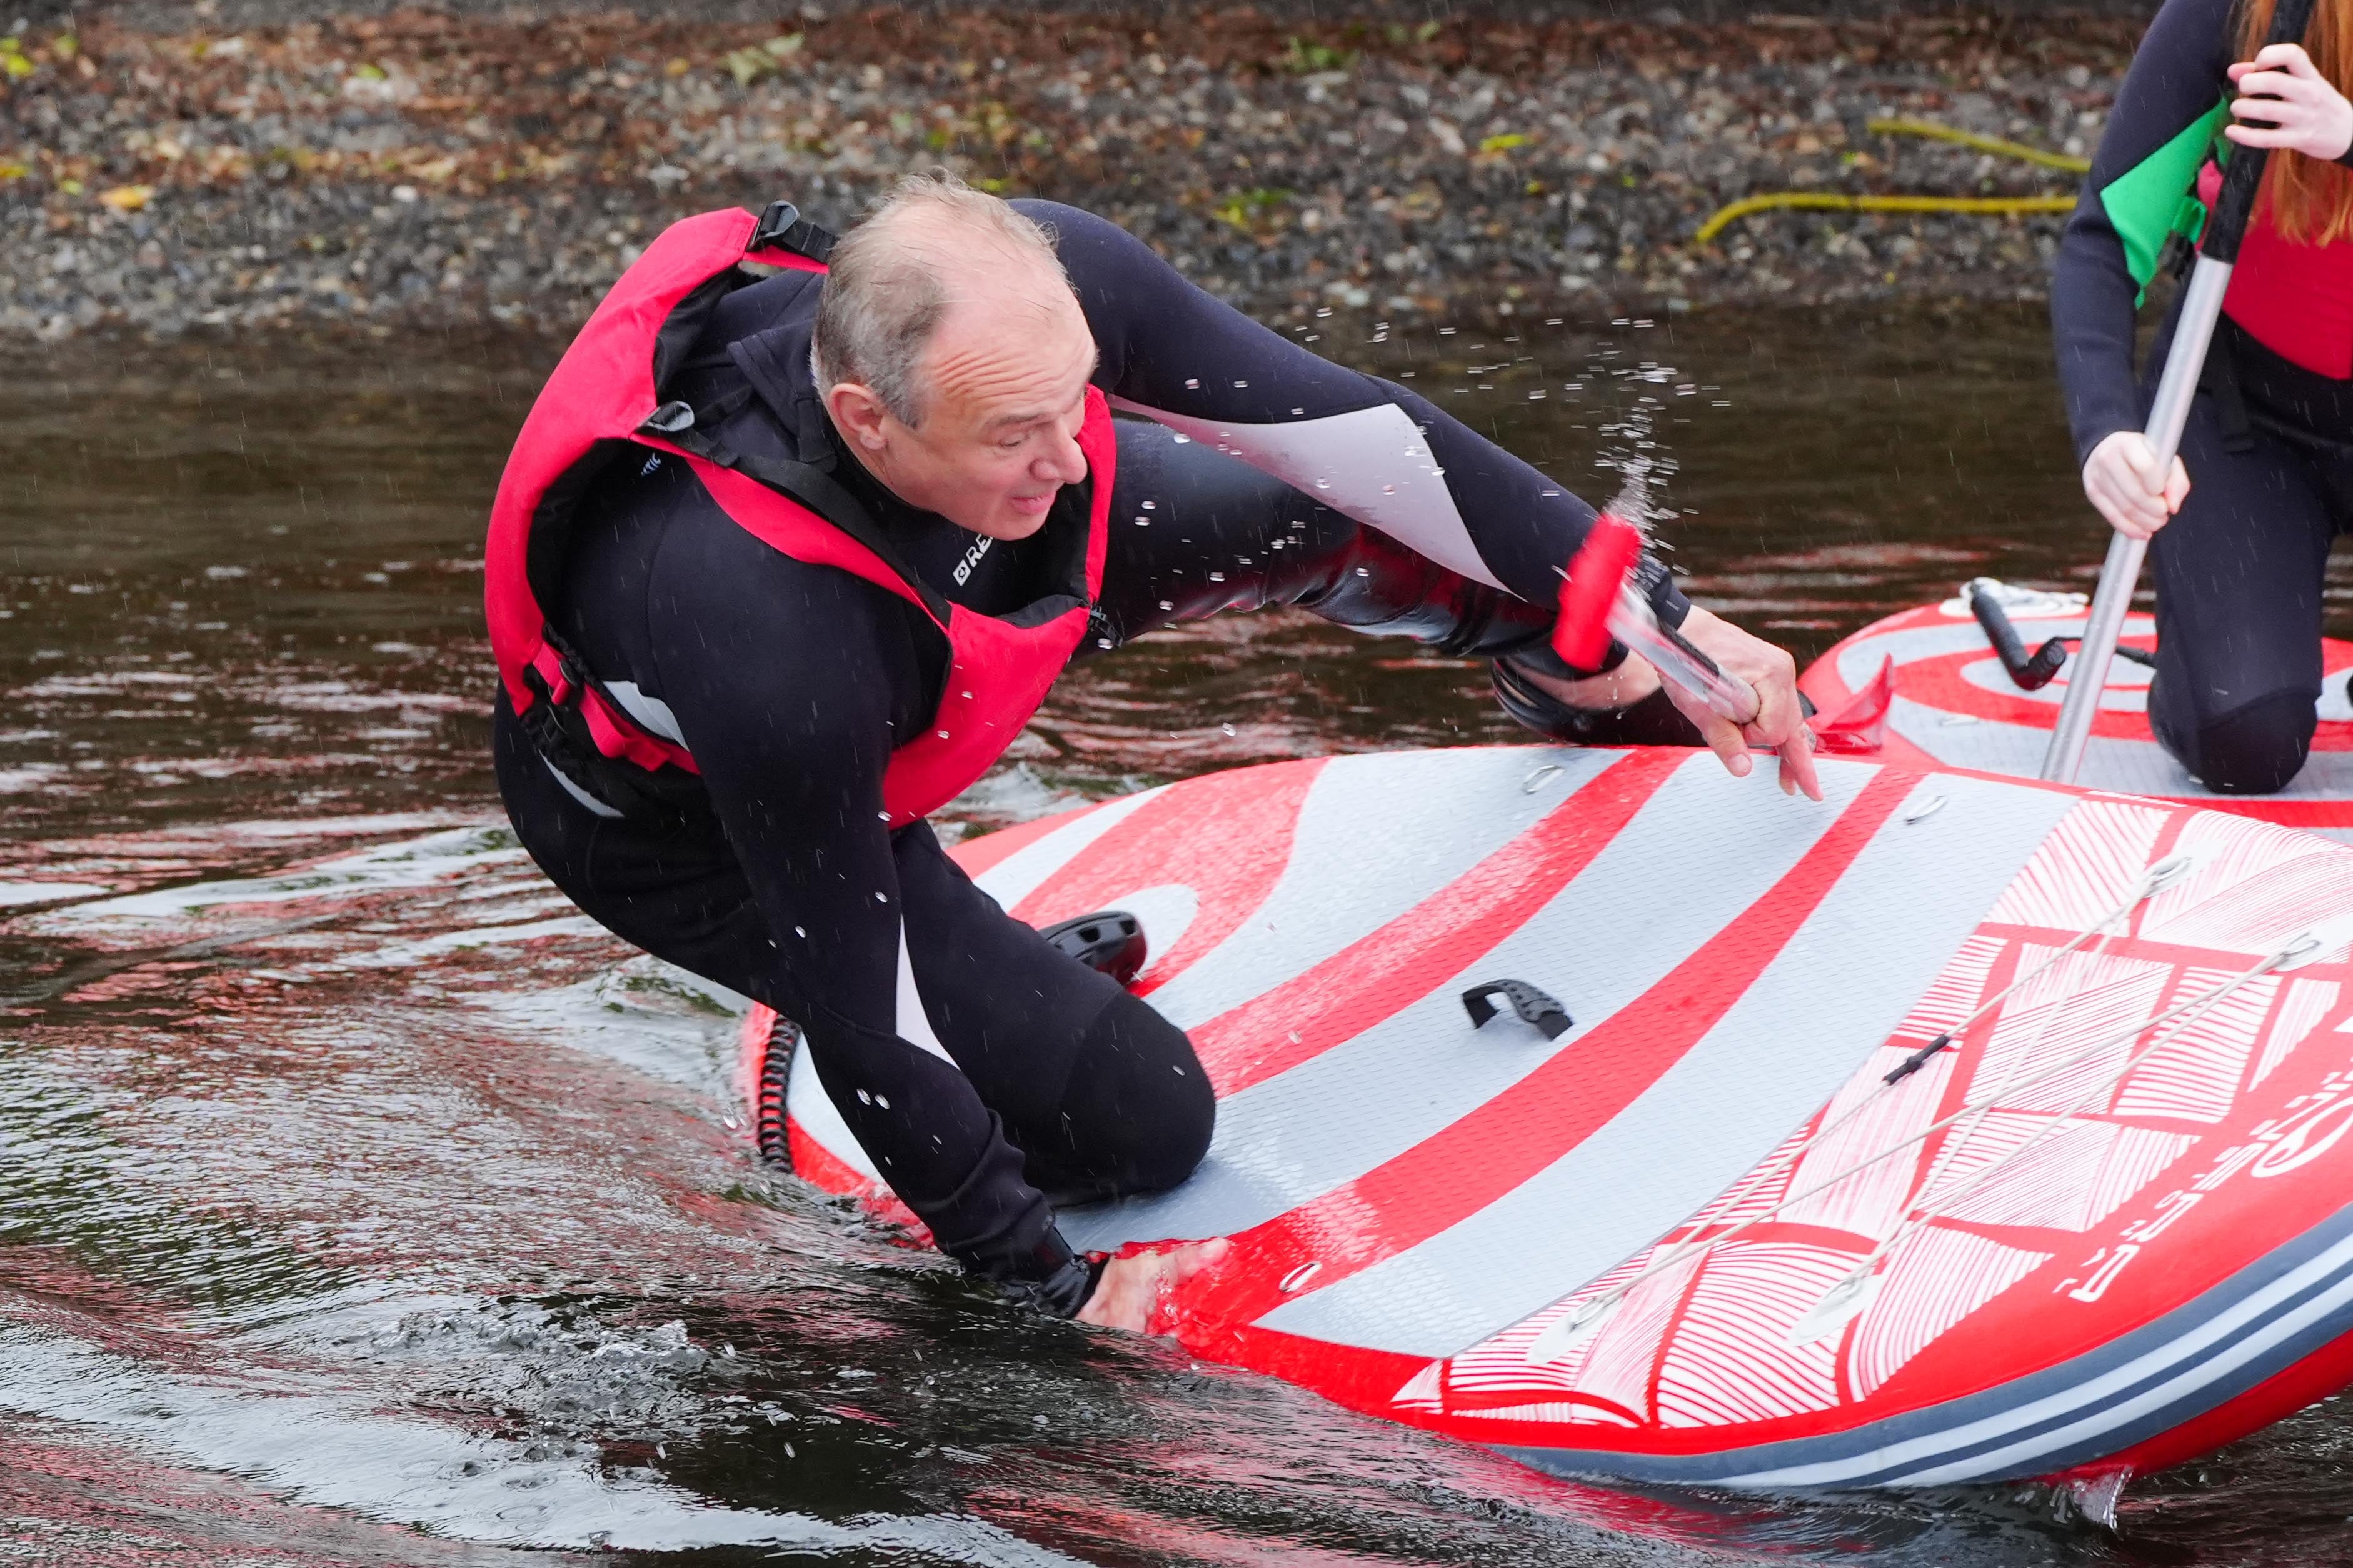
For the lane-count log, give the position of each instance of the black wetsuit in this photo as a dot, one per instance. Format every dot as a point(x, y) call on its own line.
point(2269, 448)
point(790, 684)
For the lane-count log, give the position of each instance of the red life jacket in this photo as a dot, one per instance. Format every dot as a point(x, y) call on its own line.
point(606, 396)
point(2294, 297)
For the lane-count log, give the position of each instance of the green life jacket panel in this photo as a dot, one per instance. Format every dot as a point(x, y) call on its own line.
point(2150, 201)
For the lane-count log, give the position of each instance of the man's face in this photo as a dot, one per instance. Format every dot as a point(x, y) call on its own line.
point(1002, 392)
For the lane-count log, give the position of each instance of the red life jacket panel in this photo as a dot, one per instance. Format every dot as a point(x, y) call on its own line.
point(607, 393)
point(2295, 298)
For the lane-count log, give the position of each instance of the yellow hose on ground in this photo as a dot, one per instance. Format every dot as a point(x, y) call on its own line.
point(1936, 132)
point(1828, 201)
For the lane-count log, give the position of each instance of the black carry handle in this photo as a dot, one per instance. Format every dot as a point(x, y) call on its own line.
point(2242, 176)
point(1533, 1005)
point(2028, 674)
point(1110, 940)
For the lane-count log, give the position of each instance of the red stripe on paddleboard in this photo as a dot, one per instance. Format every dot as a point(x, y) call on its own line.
point(978, 855)
point(1397, 965)
point(1457, 1171)
point(1226, 835)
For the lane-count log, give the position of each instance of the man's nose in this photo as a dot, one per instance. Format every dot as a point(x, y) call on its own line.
point(1062, 461)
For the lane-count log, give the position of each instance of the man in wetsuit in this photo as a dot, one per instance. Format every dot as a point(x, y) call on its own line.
point(943, 376)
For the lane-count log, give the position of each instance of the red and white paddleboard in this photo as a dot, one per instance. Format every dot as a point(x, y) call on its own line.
point(1699, 1237)
point(1954, 705)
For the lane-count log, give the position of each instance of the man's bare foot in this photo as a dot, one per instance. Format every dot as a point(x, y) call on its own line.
point(1132, 1289)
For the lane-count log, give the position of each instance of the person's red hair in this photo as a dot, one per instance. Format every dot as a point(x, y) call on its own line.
point(2307, 199)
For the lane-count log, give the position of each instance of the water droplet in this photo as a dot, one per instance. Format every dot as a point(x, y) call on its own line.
point(1184, 440)
point(864, 1098)
point(1322, 484)
point(883, 1100)
point(879, 898)
point(1217, 576)
point(944, 734)
point(1389, 489)
point(1297, 411)
point(1228, 729)
point(802, 931)
point(1192, 384)
point(1168, 604)
point(1151, 506)
point(1240, 384)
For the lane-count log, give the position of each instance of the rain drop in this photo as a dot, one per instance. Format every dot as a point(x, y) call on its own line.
point(1389, 489)
point(1228, 729)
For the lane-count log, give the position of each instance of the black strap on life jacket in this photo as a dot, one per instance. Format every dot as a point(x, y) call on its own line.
point(2218, 379)
point(782, 227)
point(681, 424)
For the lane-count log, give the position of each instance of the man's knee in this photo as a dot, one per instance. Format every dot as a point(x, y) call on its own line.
point(1139, 1112)
point(2255, 748)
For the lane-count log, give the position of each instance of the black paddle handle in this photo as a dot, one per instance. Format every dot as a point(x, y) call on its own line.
point(2244, 175)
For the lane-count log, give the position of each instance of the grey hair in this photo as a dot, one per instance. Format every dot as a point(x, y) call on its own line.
point(884, 298)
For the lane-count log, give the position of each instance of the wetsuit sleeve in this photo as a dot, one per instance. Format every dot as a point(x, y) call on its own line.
point(1381, 455)
point(787, 683)
point(2175, 80)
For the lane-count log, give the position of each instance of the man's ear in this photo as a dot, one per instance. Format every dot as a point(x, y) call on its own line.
point(858, 414)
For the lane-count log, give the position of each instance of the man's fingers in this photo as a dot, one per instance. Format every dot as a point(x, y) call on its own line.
point(1798, 775)
point(1722, 735)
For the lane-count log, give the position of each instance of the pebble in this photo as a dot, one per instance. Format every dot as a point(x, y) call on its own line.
point(431, 170)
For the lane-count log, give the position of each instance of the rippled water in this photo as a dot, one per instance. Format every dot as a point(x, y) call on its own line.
point(361, 1203)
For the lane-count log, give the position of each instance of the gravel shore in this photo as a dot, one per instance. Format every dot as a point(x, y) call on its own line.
point(424, 169)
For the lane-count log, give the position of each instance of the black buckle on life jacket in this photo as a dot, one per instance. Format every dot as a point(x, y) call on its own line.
point(782, 227)
point(673, 418)
point(559, 731)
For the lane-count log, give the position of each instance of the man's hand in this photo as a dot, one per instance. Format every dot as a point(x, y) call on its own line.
point(1781, 722)
point(2286, 102)
point(2120, 478)
point(1133, 1288)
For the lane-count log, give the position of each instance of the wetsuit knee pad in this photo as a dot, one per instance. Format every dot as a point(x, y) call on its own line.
point(2255, 748)
point(1136, 1114)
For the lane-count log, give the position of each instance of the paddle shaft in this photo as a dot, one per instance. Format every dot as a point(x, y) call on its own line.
point(2202, 308)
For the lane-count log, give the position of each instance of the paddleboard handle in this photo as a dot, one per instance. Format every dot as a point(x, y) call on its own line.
point(1918, 1060)
point(2202, 308)
point(1109, 940)
point(1599, 603)
point(2027, 672)
point(1534, 1006)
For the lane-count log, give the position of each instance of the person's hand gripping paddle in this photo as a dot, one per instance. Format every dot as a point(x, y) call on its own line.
point(1741, 692)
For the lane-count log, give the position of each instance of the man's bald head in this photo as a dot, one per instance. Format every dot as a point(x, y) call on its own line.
point(931, 248)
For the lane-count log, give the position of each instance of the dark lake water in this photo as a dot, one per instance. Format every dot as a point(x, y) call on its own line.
point(361, 1203)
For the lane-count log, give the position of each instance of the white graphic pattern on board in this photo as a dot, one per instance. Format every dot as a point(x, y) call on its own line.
point(2042, 1148)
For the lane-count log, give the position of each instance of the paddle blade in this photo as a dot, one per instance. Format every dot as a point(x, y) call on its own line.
point(1597, 571)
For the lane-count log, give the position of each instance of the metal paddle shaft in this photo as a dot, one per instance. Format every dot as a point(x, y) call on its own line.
point(2201, 306)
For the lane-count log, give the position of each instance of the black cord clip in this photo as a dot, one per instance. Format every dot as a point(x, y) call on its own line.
point(1533, 1005)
